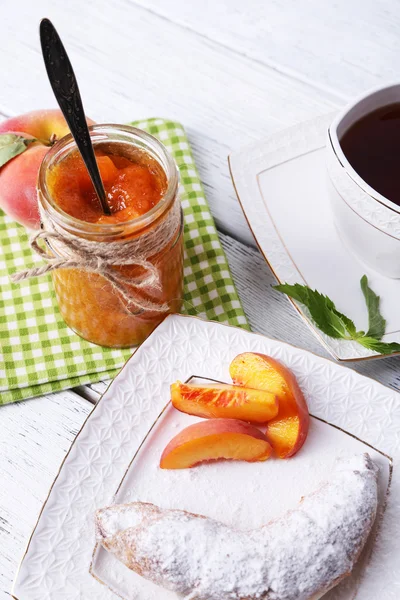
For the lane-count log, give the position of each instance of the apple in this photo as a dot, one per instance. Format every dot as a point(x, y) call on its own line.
point(24, 141)
point(215, 439)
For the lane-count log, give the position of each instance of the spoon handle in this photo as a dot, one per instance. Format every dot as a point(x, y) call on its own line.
point(66, 90)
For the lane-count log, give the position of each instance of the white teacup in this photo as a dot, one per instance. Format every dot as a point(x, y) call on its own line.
point(368, 222)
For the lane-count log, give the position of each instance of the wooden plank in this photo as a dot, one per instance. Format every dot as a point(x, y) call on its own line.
point(221, 69)
point(270, 313)
point(132, 63)
point(339, 47)
point(86, 392)
point(34, 438)
point(99, 388)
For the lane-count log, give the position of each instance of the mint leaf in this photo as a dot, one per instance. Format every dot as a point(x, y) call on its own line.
point(376, 323)
point(297, 291)
point(335, 324)
point(381, 347)
point(11, 145)
point(323, 311)
point(350, 326)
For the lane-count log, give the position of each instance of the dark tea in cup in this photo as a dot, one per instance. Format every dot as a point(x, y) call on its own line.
point(363, 162)
point(372, 147)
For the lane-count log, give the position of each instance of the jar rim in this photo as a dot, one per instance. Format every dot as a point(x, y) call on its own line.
point(149, 144)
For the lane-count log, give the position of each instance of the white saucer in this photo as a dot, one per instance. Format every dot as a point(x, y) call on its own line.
point(281, 184)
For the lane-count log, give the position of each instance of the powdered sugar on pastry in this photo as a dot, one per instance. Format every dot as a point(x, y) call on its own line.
point(298, 556)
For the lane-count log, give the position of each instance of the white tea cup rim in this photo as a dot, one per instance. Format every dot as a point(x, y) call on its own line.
point(361, 106)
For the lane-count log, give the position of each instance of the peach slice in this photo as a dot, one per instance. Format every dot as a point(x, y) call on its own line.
point(287, 432)
point(224, 401)
point(215, 439)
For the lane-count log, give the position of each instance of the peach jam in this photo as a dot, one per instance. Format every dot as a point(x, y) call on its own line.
point(144, 230)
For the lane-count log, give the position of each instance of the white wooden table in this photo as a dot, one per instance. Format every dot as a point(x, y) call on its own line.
point(230, 71)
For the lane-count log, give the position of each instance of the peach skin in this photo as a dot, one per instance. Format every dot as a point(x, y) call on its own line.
point(287, 432)
point(18, 175)
point(224, 401)
point(44, 125)
point(215, 439)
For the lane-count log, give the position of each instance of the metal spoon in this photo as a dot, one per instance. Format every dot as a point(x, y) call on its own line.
point(65, 88)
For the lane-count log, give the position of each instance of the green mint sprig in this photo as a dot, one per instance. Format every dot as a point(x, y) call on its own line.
point(335, 324)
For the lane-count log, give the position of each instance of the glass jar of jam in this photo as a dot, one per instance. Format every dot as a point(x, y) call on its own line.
point(115, 276)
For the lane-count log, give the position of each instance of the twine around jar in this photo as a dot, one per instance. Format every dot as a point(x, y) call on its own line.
point(74, 252)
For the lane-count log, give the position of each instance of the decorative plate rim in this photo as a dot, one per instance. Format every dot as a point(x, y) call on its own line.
point(180, 321)
point(245, 170)
point(379, 517)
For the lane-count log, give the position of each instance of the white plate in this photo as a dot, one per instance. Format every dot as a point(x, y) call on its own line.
point(58, 558)
point(213, 490)
point(281, 185)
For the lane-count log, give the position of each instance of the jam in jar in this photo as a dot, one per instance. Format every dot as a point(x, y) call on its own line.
point(119, 274)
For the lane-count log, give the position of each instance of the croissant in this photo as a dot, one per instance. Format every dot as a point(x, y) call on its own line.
point(298, 556)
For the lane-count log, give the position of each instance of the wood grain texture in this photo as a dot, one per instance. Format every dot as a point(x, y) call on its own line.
point(132, 63)
point(341, 47)
point(231, 72)
point(34, 438)
point(270, 313)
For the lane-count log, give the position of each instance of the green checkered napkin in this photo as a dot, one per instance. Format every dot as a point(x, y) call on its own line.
point(40, 354)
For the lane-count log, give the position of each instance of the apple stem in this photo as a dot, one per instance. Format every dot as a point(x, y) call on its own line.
point(53, 139)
